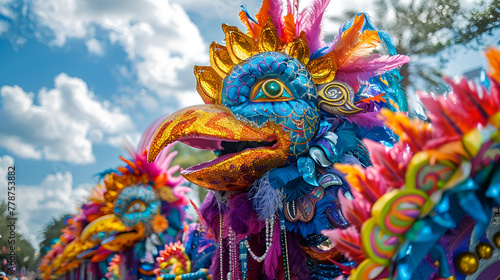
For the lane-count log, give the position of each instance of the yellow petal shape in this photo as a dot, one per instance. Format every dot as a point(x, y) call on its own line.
point(299, 49)
point(209, 84)
point(269, 40)
point(323, 69)
point(239, 45)
point(220, 60)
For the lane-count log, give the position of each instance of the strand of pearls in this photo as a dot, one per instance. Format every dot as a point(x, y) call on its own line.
point(231, 266)
point(234, 267)
point(284, 247)
point(269, 240)
point(221, 257)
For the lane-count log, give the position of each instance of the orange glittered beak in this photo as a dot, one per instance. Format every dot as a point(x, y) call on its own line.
point(245, 151)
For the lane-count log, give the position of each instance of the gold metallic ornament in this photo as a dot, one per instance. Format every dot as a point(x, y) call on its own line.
point(126, 239)
point(496, 239)
point(205, 127)
point(114, 184)
point(239, 45)
point(484, 250)
point(323, 69)
point(466, 263)
point(106, 223)
point(208, 84)
point(299, 49)
point(166, 194)
point(220, 60)
point(269, 41)
point(337, 98)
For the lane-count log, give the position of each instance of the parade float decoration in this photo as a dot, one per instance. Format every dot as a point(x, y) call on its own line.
point(129, 217)
point(424, 209)
point(188, 260)
point(281, 107)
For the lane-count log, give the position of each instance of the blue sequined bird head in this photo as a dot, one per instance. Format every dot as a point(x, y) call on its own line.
point(261, 110)
point(274, 87)
point(265, 92)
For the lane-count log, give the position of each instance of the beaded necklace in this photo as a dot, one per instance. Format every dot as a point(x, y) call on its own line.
point(269, 240)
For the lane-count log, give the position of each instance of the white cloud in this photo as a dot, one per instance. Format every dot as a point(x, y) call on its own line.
point(62, 125)
point(94, 46)
point(6, 9)
point(158, 36)
point(223, 10)
point(4, 26)
point(132, 138)
point(13, 143)
point(189, 98)
point(36, 205)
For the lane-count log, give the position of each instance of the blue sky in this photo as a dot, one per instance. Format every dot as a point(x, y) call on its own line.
point(77, 76)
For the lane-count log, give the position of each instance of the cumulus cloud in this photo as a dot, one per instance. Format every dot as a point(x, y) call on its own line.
point(223, 10)
point(61, 125)
point(37, 205)
point(190, 98)
point(158, 36)
point(94, 47)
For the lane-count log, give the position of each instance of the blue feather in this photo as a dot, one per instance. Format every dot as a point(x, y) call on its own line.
point(279, 177)
point(244, 9)
point(384, 37)
point(347, 140)
point(296, 189)
point(103, 174)
point(377, 134)
point(266, 199)
point(392, 89)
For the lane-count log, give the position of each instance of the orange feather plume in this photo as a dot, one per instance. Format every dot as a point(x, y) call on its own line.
point(263, 13)
point(250, 26)
point(289, 31)
point(354, 44)
point(415, 133)
point(493, 56)
point(376, 98)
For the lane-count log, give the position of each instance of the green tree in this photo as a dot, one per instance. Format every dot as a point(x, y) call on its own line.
point(23, 253)
point(50, 232)
point(482, 19)
point(188, 156)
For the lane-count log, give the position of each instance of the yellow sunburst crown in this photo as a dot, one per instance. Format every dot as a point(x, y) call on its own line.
point(241, 46)
point(115, 183)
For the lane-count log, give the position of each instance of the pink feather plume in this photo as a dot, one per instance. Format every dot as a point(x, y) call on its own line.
point(309, 21)
point(276, 14)
point(348, 241)
point(363, 69)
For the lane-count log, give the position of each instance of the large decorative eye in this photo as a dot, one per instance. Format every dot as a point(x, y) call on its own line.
point(270, 90)
point(136, 204)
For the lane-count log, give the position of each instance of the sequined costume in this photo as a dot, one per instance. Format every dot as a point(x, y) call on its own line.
point(282, 106)
point(121, 228)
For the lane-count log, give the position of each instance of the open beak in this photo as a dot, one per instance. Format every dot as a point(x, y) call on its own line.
point(245, 151)
point(124, 240)
point(110, 233)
